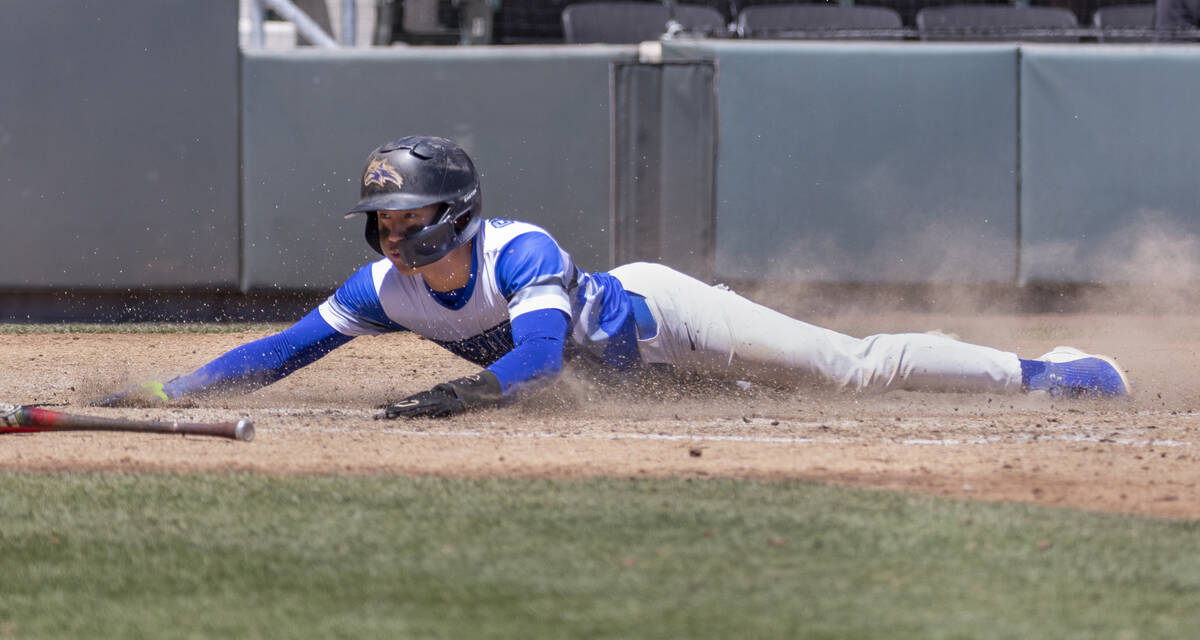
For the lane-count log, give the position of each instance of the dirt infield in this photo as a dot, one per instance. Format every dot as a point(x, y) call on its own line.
point(1138, 456)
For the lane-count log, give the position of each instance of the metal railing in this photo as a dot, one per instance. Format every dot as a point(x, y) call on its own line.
point(475, 17)
point(305, 25)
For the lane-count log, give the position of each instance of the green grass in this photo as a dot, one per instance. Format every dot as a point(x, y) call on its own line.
point(245, 556)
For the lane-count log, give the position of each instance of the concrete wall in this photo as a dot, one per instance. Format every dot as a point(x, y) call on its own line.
point(535, 121)
point(118, 144)
point(139, 151)
point(865, 162)
point(1110, 163)
point(664, 164)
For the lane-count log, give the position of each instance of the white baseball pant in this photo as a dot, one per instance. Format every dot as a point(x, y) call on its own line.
point(713, 331)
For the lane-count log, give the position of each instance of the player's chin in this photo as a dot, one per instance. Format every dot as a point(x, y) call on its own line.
point(400, 265)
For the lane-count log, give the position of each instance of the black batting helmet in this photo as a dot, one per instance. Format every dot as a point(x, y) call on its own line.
point(415, 172)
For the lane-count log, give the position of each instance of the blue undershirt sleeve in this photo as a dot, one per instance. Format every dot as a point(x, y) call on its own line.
point(537, 355)
point(259, 363)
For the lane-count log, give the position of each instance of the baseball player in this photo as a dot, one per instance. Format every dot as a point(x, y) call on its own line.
point(504, 295)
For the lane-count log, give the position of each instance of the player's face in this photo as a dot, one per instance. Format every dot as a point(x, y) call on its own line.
point(394, 226)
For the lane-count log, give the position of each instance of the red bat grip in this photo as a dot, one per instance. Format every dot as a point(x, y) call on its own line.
point(37, 417)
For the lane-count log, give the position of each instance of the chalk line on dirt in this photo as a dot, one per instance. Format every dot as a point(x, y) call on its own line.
point(679, 437)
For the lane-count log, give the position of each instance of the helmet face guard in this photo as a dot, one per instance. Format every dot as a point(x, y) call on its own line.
point(426, 245)
point(415, 172)
point(429, 244)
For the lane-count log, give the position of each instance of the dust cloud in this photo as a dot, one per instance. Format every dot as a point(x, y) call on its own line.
point(1149, 266)
point(1129, 293)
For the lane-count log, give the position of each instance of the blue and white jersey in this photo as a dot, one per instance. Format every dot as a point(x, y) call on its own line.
point(517, 267)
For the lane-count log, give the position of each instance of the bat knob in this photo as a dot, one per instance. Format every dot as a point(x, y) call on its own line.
point(244, 430)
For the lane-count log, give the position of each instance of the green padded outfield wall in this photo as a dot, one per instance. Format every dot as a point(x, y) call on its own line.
point(865, 162)
point(534, 119)
point(1110, 163)
point(118, 144)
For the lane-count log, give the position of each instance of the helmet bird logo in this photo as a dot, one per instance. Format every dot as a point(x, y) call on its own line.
point(379, 173)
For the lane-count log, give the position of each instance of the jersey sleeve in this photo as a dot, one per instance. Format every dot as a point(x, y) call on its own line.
point(355, 309)
point(537, 354)
point(531, 273)
point(259, 363)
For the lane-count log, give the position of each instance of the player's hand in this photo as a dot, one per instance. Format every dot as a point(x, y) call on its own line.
point(145, 395)
point(447, 399)
point(435, 403)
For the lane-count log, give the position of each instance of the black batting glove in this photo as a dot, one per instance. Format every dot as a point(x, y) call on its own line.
point(435, 403)
point(448, 398)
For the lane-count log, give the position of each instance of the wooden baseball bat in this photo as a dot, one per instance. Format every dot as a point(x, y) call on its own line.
point(16, 418)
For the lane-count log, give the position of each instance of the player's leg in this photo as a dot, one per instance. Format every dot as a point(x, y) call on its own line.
point(711, 330)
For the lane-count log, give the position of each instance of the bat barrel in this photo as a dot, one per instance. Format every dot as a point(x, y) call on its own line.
point(241, 430)
point(244, 430)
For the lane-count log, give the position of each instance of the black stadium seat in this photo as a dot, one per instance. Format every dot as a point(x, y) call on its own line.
point(996, 22)
point(632, 22)
point(812, 20)
point(1125, 16)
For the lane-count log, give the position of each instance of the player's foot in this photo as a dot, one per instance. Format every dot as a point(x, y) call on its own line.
point(1072, 373)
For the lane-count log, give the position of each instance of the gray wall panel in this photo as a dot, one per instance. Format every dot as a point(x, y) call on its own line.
point(865, 162)
point(534, 119)
point(664, 145)
point(118, 143)
point(852, 162)
point(1110, 157)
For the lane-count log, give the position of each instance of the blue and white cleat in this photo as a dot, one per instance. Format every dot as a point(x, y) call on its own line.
point(1072, 373)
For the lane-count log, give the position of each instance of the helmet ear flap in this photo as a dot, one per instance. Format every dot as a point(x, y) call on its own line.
point(461, 220)
point(372, 232)
point(466, 210)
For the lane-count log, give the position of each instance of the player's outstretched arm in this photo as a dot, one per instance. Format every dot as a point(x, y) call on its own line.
point(245, 368)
